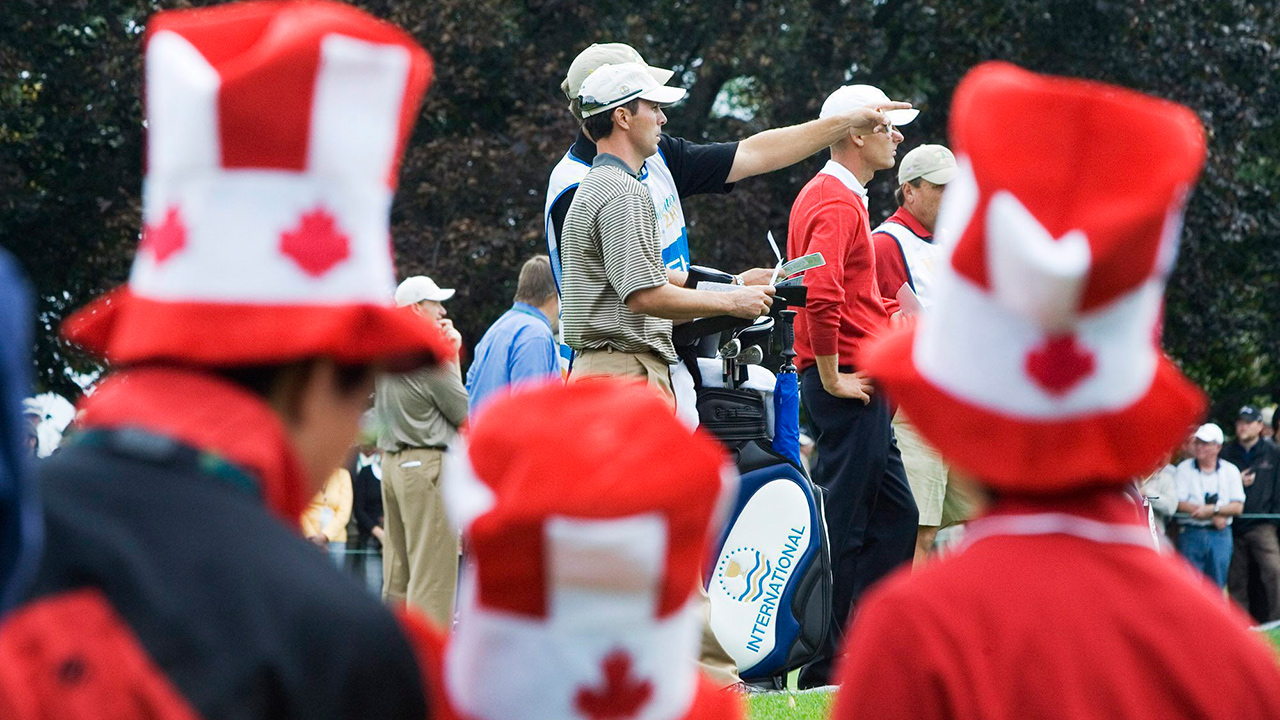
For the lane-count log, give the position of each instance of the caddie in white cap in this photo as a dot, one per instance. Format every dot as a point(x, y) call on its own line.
point(906, 257)
point(618, 301)
point(683, 169)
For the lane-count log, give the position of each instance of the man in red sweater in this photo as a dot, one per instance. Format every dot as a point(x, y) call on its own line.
point(871, 516)
point(1038, 373)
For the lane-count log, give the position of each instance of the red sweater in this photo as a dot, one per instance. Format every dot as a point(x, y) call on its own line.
point(845, 308)
point(1055, 627)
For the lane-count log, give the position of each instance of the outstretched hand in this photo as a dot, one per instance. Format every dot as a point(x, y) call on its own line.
point(871, 119)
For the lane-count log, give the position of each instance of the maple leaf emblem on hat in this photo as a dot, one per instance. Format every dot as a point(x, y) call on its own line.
point(317, 243)
point(1059, 364)
point(166, 238)
point(620, 696)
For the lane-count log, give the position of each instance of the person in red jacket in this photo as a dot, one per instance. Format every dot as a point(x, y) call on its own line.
point(174, 582)
point(871, 516)
point(1038, 373)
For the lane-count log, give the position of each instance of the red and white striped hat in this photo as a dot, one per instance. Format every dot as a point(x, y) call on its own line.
point(274, 133)
point(587, 510)
point(1039, 368)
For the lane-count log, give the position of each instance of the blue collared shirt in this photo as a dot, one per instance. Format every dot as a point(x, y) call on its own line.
point(519, 347)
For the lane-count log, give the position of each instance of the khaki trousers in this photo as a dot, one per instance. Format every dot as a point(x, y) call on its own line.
point(716, 664)
point(942, 502)
point(607, 362)
point(420, 555)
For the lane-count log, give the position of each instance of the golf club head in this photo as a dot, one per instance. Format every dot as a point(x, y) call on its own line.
point(751, 356)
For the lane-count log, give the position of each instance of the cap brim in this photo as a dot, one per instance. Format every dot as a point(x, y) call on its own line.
point(664, 95)
point(902, 117)
point(1038, 456)
point(442, 295)
point(124, 328)
point(941, 176)
point(662, 75)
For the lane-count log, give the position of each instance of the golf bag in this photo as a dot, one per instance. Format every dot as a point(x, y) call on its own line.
point(770, 577)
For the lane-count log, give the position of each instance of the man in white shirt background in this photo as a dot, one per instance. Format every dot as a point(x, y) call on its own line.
point(1210, 490)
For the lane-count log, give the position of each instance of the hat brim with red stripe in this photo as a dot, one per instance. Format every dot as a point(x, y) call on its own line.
point(126, 329)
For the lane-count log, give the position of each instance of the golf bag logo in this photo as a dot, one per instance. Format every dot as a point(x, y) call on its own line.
point(752, 579)
point(742, 573)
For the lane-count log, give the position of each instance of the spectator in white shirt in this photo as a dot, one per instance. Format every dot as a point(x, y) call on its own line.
point(1211, 492)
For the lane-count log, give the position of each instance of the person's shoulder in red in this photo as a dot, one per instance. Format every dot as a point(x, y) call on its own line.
point(1053, 627)
point(826, 216)
point(824, 188)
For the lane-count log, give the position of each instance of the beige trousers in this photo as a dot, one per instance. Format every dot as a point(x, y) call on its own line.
point(646, 367)
point(942, 502)
point(715, 662)
point(420, 555)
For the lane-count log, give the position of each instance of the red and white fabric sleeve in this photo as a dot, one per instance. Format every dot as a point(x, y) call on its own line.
point(891, 269)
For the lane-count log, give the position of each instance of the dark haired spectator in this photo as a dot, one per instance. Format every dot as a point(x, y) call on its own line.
point(366, 508)
point(1254, 575)
point(174, 583)
point(520, 347)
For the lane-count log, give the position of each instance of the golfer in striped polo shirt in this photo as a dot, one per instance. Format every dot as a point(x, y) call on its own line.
point(618, 306)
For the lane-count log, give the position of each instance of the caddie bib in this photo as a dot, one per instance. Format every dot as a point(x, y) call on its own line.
point(921, 257)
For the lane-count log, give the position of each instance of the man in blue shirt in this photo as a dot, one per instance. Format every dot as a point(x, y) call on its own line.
point(520, 347)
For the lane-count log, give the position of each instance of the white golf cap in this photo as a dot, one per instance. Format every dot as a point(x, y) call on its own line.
point(613, 85)
point(934, 163)
point(418, 288)
point(1210, 433)
point(605, 54)
point(851, 97)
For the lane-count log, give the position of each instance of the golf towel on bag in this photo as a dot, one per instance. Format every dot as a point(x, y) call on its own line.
point(770, 585)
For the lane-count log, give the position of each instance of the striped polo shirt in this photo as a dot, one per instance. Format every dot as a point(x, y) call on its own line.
point(611, 248)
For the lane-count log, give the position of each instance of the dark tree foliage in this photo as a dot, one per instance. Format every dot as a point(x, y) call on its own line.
point(470, 205)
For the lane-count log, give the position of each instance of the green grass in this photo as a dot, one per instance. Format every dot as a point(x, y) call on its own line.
point(789, 706)
point(1274, 637)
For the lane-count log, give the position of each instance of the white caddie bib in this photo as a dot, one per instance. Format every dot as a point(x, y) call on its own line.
point(922, 258)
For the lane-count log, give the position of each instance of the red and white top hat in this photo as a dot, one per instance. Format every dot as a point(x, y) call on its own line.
point(1039, 368)
point(585, 550)
point(274, 132)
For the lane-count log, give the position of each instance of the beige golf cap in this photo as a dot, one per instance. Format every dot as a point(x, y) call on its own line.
point(851, 97)
point(934, 163)
point(418, 288)
point(605, 54)
point(613, 85)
